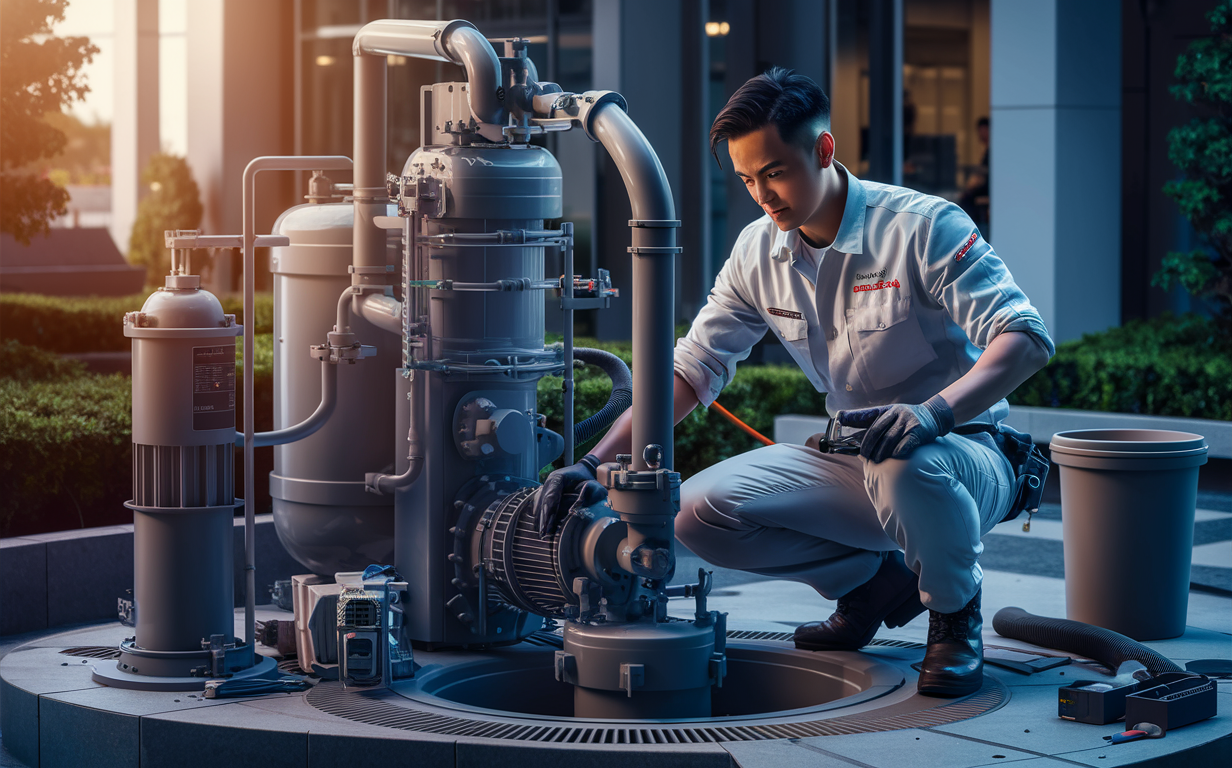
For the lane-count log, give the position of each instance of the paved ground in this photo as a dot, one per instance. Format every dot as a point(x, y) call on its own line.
point(1026, 570)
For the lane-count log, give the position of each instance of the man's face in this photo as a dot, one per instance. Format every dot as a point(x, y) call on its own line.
point(784, 179)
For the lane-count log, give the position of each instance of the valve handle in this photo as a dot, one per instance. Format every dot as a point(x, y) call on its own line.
point(653, 456)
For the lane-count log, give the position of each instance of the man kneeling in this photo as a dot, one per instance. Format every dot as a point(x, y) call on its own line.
point(890, 302)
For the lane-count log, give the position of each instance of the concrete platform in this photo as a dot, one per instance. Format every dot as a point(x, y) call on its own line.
point(51, 714)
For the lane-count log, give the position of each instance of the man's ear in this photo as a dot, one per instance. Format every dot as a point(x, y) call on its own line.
point(824, 149)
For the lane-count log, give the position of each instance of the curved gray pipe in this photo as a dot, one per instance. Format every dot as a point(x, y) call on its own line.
point(385, 312)
point(455, 41)
point(654, 278)
point(309, 426)
point(617, 403)
point(379, 483)
point(472, 50)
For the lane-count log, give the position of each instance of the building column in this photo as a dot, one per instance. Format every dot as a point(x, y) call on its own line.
point(885, 91)
point(1055, 157)
point(642, 61)
point(241, 105)
point(134, 126)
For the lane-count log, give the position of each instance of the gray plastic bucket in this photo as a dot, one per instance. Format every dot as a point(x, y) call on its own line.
point(1127, 499)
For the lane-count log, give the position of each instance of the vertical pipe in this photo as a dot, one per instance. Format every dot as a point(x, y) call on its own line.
point(248, 202)
point(370, 196)
point(567, 230)
point(654, 278)
point(552, 14)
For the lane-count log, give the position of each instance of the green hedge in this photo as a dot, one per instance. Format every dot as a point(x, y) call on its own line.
point(66, 445)
point(68, 324)
point(65, 457)
point(1168, 366)
point(704, 437)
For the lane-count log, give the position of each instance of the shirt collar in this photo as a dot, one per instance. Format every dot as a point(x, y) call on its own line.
point(850, 237)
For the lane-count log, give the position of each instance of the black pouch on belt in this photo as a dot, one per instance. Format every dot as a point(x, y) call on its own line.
point(1029, 463)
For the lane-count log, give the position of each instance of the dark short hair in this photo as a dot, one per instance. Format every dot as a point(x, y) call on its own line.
point(792, 102)
point(982, 122)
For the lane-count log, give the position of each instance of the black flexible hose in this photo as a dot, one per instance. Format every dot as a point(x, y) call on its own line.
point(620, 399)
point(1103, 645)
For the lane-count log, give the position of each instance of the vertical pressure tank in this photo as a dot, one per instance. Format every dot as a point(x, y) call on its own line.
point(476, 285)
point(184, 397)
point(321, 513)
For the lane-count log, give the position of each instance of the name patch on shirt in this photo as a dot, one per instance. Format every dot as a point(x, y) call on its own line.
point(880, 285)
point(784, 313)
point(967, 245)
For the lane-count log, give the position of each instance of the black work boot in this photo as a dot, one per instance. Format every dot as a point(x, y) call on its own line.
point(954, 662)
point(892, 596)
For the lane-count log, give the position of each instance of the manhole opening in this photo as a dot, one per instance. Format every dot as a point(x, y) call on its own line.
point(758, 681)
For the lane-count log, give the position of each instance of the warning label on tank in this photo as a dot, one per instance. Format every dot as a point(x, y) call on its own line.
point(214, 387)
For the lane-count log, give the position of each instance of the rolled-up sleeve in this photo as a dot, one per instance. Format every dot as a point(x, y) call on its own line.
point(965, 275)
point(722, 334)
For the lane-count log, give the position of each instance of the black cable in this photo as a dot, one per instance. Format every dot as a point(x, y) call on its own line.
point(620, 399)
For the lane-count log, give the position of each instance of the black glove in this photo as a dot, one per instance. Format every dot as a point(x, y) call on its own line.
point(579, 477)
point(894, 431)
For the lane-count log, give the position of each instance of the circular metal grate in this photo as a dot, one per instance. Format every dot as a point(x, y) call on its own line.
point(93, 651)
point(387, 709)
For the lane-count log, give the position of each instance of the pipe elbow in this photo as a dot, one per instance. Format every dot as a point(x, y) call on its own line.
point(643, 174)
point(465, 45)
point(385, 312)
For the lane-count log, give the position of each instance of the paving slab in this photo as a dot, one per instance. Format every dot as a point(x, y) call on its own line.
point(785, 753)
point(919, 748)
point(1030, 723)
point(37, 671)
point(1161, 753)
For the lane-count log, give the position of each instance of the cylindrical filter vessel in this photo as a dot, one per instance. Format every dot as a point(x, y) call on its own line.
point(323, 516)
point(476, 276)
point(184, 401)
point(1128, 498)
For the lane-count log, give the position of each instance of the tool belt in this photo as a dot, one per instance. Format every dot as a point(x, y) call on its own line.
point(1029, 463)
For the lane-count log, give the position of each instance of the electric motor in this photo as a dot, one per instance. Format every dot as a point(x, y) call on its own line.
point(539, 575)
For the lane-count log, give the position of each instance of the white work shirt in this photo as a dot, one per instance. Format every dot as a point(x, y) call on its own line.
point(896, 309)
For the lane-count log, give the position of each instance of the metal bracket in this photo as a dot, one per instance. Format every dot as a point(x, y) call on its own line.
point(422, 194)
point(654, 250)
point(565, 665)
point(192, 238)
point(632, 676)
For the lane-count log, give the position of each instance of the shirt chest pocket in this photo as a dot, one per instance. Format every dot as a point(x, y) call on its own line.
point(789, 328)
point(887, 343)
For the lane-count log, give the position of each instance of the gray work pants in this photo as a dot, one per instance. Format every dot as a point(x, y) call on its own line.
point(827, 520)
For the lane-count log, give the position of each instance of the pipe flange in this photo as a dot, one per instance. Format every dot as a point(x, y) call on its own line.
point(589, 103)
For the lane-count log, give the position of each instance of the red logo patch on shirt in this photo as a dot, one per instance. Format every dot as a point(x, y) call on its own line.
point(784, 313)
point(967, 246)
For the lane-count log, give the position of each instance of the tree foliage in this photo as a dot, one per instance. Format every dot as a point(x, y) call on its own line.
point(1202, 151)
point(174, 202)
point(39, 73)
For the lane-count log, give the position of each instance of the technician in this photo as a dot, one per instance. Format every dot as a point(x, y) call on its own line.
point(891, 303)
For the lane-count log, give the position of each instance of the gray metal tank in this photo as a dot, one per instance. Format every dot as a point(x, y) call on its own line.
point(480, 361)
point(322, 515)
point(183, 502)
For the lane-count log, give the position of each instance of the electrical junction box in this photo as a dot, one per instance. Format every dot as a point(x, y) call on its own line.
point(373, 645)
